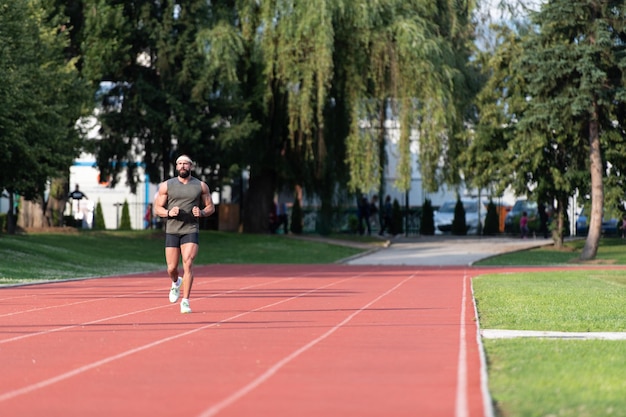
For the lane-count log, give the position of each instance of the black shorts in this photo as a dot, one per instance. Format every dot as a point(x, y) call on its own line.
point(174, 241)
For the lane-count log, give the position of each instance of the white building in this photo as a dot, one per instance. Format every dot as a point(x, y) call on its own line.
point(85, 173)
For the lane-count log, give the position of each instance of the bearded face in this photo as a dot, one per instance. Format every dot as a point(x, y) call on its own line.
point(183, 172)
point(183, 169)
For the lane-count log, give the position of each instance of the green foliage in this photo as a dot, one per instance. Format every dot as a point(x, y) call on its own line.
point(125, 221)
point(427, 227)
point(492, 220)
point(297, 222)
point(173, 66)
point(279, 87)
point(397, 219)
point(553, 107)
point(459, 226)
point(42, 96)
point(98, 220)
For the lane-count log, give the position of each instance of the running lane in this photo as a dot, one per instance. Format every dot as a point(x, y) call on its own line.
point(264, 340)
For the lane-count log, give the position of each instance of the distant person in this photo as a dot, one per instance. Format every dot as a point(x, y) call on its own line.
point(386, 216)
point(282, 217)
point(523, 225)
point(77, 194)
point(364, 216)
point(148, 217)
point(76, 207)
point(623, 226)
point(178, 201)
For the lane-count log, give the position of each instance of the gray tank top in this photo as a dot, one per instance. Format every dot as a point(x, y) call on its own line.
point(184, 196)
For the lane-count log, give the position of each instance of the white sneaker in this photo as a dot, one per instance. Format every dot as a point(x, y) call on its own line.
point(184, 307)
point(175, 290)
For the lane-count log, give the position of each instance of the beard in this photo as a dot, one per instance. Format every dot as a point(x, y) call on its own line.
point(183, 173)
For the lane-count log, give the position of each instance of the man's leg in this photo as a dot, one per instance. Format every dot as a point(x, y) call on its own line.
point(172, 257)
point(188, 252)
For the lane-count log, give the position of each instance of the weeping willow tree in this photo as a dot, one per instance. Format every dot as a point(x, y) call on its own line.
point(342, 68)
point(412, 74)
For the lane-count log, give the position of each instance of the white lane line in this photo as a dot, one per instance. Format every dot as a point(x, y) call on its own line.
point(74, 291)
point(105, 319)
point(511, 334)
point(484, 375)
point(66, 375)
point(461, 406)
point(213, 410)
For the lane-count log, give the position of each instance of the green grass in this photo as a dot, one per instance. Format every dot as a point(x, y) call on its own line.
point(610, 251)
point(573, 301)
point(50, 256)
point(546, 377)
point(564, 378)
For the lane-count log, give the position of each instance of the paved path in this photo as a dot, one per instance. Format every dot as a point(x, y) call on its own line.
point(443, 250)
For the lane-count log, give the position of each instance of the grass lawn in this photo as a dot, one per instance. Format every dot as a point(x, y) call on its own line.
point(612, 251)
point(548, 377)
point(79, 254)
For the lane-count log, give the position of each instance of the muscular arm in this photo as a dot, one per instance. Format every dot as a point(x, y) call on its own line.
point(209, 208)
point(161, 200)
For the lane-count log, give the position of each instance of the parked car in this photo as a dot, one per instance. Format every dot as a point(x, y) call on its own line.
point(444, 216)
point(609, 226)
point(511, 221)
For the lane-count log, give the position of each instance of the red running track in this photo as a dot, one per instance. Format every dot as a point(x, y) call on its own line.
point(264, 340)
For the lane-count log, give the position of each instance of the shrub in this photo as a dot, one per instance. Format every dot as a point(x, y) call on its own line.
point(125, 221)
point(98, 221)
point(427, 221)
point(492, 221)
point(396, 218)
point(459, 226)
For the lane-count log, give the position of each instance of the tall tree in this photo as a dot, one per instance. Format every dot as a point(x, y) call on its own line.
point(170, 69)
point(42, 96)
point(578, 84)
point(565, 98)
point(279, 87)
point(331, 66)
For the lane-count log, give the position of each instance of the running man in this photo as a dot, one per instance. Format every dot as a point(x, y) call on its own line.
point(178, 201)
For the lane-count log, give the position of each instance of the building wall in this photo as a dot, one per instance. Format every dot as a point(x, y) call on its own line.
point(84, 173)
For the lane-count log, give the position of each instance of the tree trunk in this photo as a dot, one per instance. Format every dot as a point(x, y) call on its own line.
point(557, 233)
point(258, 202)
point(597, 190)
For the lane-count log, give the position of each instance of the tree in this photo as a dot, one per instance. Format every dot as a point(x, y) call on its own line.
point(492, 222)
point(562, 97)
point(171, 86)
point(279, 89)
point(577, 88)
point(335, 72)
point(396, 218)
point(98, 220)
point(125, 221)
point(42, 96)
